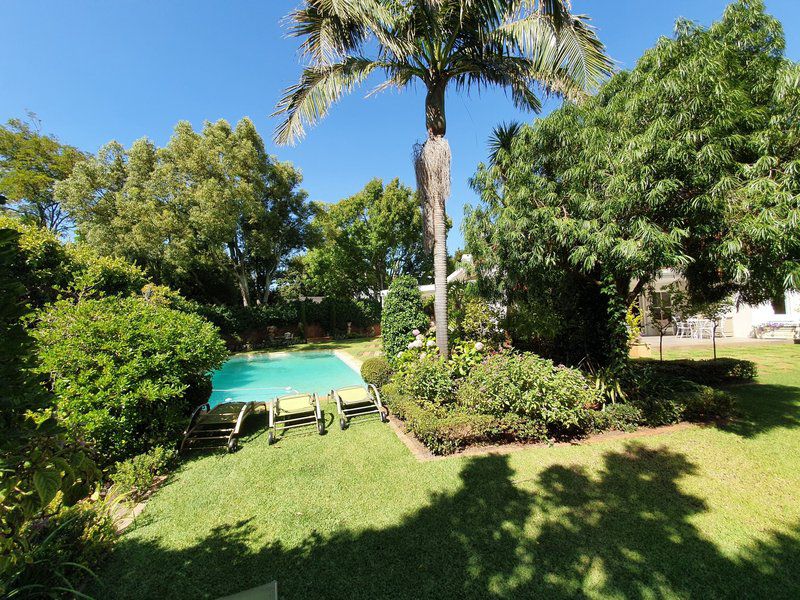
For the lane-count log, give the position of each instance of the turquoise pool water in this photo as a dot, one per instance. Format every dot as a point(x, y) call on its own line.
point(261, 377)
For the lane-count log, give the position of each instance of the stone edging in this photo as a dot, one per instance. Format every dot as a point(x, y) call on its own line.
point(350, 360)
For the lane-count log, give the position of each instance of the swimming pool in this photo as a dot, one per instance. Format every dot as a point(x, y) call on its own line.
point(260, 377)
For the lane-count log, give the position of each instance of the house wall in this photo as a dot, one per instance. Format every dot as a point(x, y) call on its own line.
point(741, 323)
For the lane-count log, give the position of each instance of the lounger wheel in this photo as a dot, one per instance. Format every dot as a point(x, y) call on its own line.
point(321, 427)
point(342, 423)
point(384, 415)
point(270, 438)
point(232, 445)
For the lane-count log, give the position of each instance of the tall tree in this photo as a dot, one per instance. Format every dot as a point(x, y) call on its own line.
point(518, 45)
point(367, 241)
point(689, 161)
point(208, 210)
point(30, 165)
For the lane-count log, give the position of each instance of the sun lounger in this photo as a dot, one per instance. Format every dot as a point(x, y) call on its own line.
point(220, 426)
point(294, 410)
point(358, 400)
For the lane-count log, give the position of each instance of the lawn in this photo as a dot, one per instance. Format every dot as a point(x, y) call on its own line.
point(705, 512)
point(361, 348)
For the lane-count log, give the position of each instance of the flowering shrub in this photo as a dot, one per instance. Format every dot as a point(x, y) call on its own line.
point(426, 380)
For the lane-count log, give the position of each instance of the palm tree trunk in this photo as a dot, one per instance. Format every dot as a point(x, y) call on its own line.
point(432, 167)
point(440, 275)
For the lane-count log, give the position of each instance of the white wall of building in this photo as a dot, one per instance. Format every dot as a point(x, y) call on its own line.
point(743, 321)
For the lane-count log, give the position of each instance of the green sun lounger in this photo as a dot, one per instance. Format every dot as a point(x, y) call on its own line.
point(294, 410)
point(358, 400)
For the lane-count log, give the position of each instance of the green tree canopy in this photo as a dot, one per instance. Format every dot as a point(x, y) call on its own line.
point(31, 163)
point(689, 161)
point(208, 213)
point(366, 241)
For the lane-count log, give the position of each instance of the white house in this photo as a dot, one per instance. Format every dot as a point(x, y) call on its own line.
point(460, 274)
point(771, 319)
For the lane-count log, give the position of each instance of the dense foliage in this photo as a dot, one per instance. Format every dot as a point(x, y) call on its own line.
point(402, 313)
point(532, 387)
point(36, 462)
point(376, 371)
point(210, 214)
point(48, 269)
point(365, 241)
point(30, 165)
point(721, 371)
point(136, 476)
point(688, 161)
point(126, 371)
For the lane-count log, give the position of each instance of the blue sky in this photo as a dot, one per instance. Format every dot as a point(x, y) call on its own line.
point(96, 70)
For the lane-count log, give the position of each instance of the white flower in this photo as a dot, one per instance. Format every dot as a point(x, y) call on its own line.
point(415, 333)
point(423, 355)
point(478, 346)
point(420, 337)
point(411, 345)
point(399, 354)
point(431, 343)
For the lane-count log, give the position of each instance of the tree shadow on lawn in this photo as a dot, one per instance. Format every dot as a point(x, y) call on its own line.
point(624, 532)
point(762, 407)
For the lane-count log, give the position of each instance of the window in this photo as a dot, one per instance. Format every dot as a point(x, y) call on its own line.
point(662, 303)
point(779, 305)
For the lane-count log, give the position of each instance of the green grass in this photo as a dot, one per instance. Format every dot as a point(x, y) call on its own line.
point(361, 348)
point(702, 512)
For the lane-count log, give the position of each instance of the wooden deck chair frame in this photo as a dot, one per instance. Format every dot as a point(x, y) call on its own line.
point(313, 416)
point(368, 404)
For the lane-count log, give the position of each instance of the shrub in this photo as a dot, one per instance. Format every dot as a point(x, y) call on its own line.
point(122, 369)
point(425, 380)
point(441, 430)
point(705, 403)
point(619, 416)
point(513, 427)
point(376, 371)
point(402, 313)
point(136, 475)
point(63, 547)
point(531, 387)
point(666, 399)
point(707, 372)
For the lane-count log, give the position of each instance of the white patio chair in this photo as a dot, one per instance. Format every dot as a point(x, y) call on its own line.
point(682, 328)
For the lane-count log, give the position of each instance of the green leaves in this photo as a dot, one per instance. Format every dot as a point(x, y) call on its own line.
point(47, 483)
point(688, 161)
point(514, 45)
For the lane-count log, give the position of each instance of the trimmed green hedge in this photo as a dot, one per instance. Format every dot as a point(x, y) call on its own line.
point(376, 371)
point(331, 314)
point(402, 314)
point(706, 372)
point(443, 431)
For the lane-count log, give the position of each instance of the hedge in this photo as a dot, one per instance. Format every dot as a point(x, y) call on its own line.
point(706, 372)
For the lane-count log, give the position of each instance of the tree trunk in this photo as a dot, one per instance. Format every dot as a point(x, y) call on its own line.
point(239, 269)
point(432, 167)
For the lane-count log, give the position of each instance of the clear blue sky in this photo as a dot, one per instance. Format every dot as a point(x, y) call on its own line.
point(99, 70)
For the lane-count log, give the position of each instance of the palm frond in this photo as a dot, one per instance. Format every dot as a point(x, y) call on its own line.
point(501, 138)
point(567, 47)
point(320, 86)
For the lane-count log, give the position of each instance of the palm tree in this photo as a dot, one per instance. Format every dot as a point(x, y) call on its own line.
point(523, 46)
